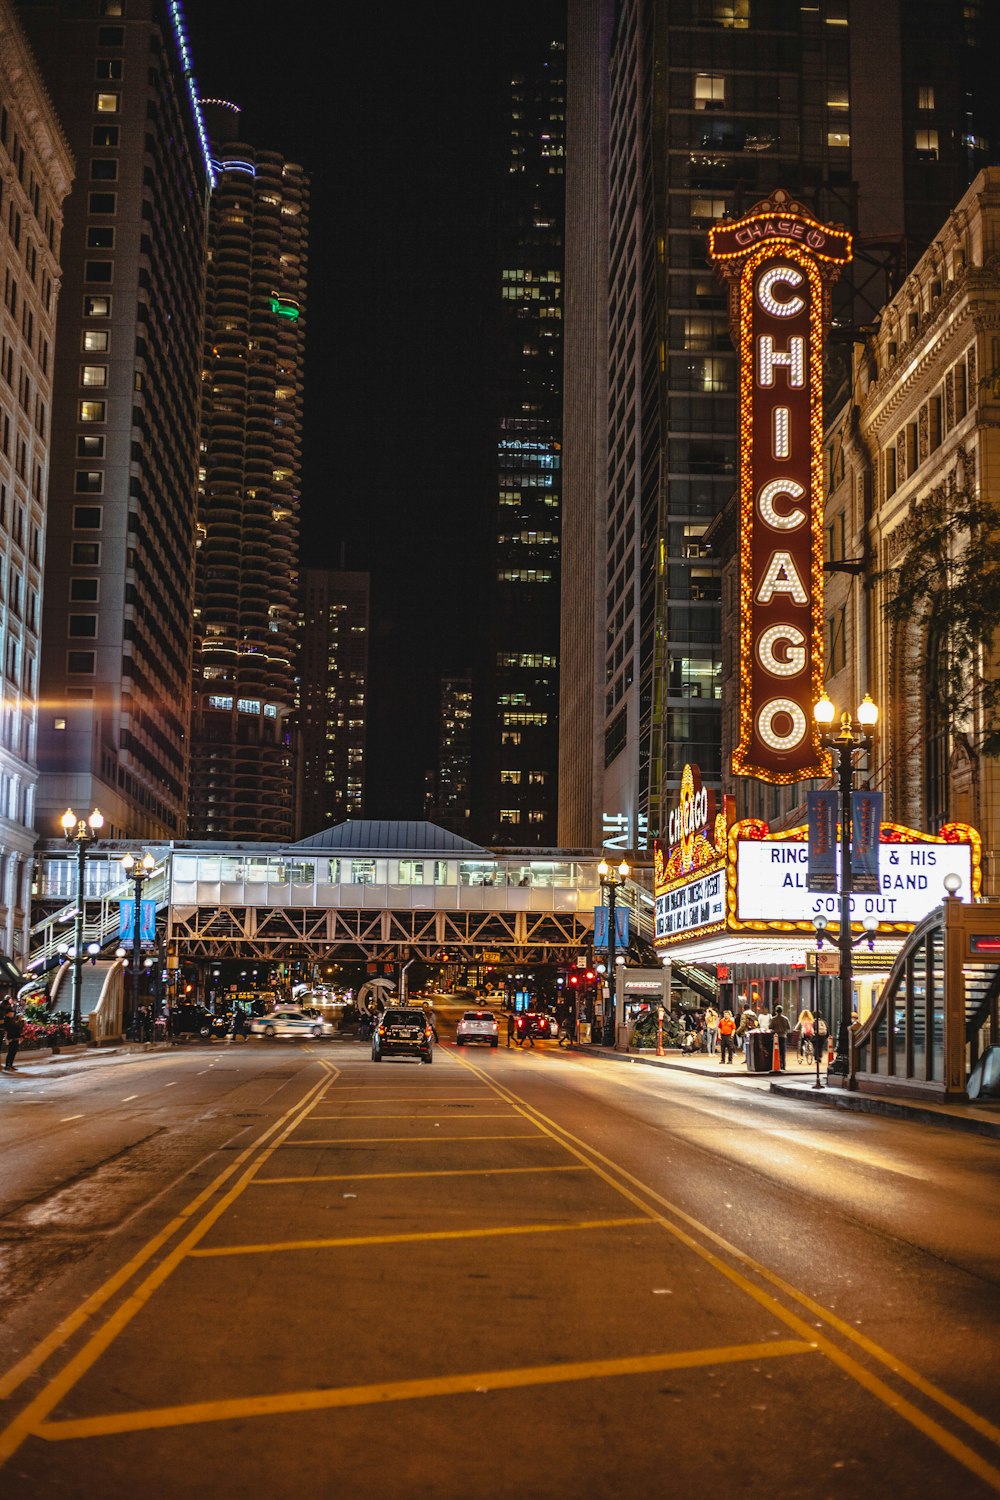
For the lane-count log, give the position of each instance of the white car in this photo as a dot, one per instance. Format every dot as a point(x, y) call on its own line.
point(290, 1022)
point(477, 1026)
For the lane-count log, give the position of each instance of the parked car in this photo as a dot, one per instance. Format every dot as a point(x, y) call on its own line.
point(290, 1022)
point(477, 1026)
point(402, 1031)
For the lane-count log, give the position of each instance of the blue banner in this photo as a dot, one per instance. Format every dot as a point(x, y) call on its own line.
point(147, 922)
point(621, 927)
point(866, 826)
point(821, 874)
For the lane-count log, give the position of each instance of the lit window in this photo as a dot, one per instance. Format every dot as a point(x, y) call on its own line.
point(107, 104)
point(97, 307)
point(95, 340)
point(709, 90)
point(94, 375)
point(510, 815)
point(925, 97)
point(927, 143)
point(841, 138)
point(93, 411)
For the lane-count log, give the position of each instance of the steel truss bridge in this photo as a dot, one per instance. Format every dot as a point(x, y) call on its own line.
point(363, 891)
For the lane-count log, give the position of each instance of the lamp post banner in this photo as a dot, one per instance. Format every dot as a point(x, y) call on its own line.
point(601, 927)
point(821, 871)
point(866, 826)
point(147, 921)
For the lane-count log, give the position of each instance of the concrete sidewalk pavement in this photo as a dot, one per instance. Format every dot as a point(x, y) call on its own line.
point(799, 1082)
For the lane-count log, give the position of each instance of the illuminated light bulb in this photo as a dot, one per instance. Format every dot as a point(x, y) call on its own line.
point(824, 712)
point(765, 504)
point(795, 658)
point(780, 276)
point(767, 732)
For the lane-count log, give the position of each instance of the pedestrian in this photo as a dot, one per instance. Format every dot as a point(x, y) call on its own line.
point(711, 1029)
point(511, 1027)
point(764, 1019)
point(727, 1027)
point(524, 1031)
point(432, 1022)
point(747, 1023)
point(805, 1030)
point(820, 1033)
point(781, 1026)
point(11, 1026)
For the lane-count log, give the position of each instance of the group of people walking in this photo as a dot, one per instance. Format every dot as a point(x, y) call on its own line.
point(720, 1034)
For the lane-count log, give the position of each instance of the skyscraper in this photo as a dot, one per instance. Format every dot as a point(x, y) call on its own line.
point(517, 698)
point(242, 761)
point(119, 566)
point(874, 116)
point(37, 170)
point(449, 793)
point(333, 698)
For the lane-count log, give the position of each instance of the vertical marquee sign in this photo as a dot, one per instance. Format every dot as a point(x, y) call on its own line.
point(781, 266)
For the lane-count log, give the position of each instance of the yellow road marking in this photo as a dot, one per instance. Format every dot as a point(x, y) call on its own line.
point(444, 1140)
point(75, 1320)
point(240, 1408)
point(75, 1368)
point(495, 1115)
point(421, 1238)
point(441, 1172)
point(932, 1429)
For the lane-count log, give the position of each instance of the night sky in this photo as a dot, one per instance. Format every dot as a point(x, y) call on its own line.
point(393, 112)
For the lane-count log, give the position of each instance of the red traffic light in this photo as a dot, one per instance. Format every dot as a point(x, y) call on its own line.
point(574, 979)
point(591, 976)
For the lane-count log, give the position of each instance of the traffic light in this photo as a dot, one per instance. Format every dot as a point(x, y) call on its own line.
point(574, 980)
point(590, 976)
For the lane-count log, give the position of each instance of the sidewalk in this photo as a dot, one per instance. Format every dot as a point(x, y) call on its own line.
point(39, 1058)
point(798, 1082)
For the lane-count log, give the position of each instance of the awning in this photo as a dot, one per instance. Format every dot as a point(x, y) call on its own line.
point(765, 949)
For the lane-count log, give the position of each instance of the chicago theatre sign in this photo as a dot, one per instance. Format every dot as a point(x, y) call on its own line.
point(781, 266)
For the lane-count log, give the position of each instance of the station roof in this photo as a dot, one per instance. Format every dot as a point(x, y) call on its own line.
point(362, 836)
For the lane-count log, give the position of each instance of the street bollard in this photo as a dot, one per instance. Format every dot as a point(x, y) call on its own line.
point(659, 1031)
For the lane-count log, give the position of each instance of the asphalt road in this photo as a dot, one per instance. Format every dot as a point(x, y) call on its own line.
point(278, 1269)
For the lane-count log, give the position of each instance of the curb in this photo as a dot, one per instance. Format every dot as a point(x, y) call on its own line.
point(896, 1109)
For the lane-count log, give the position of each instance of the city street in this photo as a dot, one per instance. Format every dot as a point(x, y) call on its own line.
point(278, 1268)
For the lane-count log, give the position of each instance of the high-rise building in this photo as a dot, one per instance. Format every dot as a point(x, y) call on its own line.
point(242, 755)
point(449, 800)
point(873, 116)
point(517, 696)
point(333, 698)
point(36, 168)
point(119, 564)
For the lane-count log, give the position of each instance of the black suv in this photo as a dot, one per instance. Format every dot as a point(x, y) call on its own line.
point(402, 1032)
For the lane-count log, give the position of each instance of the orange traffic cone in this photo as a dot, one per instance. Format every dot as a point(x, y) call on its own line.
point(776, 1056)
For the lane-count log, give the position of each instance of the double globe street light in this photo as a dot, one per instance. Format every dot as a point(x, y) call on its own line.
point(82, 832)
point(850, 740)
point(138, 871)
point(611, 881)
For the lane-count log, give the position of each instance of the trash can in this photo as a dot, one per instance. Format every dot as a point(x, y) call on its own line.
point(583, 1033)
point(759, 1051)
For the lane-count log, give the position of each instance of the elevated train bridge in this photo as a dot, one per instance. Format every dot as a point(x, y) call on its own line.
point(377, 892)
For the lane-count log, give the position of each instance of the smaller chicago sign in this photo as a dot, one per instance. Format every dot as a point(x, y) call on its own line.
point(780, 264)
point(689, 871)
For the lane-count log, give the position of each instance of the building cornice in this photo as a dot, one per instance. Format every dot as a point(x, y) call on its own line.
point(34, 104)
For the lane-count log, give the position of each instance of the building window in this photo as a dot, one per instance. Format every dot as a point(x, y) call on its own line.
point(104, 135)
point(106, 104)
point(83, 626)
point(96, 340)
point(709, 91)
point(100, 237)
point(97, 307)
point(103, 169)
point(89, 446)
point(510, 815)
point(94, 375)
point(925, 96)
point(98, 270)
point(80, 663)
point(109, 69)
point(88, 482)
point(111, 36)
point(838, 138)
point(93, 411)
point(87, 517)
point(86, 554)
point(926, 142)
point(84, 590)
point(102, 203)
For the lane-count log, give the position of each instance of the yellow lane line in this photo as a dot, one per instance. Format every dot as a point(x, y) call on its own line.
point(442, 1172)
point(444, 1140)
point(75, 1320)
point(495, 1115)
point(241, 1408)
point(420, 1238)
point(364, 1097)
point(904, 1408)
point(75, 1368)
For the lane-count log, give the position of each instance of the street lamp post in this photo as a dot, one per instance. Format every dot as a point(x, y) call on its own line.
point(82, 833)
point(611, 880)
point(849, 741)
point(138, 871)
